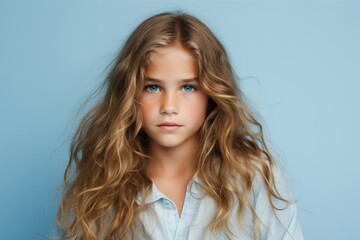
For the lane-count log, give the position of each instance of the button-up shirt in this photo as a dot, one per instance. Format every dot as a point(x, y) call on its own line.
point(161, 220)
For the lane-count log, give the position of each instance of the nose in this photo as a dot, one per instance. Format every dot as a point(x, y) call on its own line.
point(169, 104)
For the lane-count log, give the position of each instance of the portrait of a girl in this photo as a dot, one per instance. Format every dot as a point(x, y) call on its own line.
point(172, 150)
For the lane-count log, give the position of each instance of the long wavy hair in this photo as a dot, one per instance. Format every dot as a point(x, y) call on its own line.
point(108, 155)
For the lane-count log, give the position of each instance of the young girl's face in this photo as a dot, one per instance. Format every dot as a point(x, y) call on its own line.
point(172, 104)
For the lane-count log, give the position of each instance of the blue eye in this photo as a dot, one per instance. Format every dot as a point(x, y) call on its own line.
point(152, 88)
point(189, 88)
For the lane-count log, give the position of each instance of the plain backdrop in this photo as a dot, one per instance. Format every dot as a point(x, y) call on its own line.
point(298, 63)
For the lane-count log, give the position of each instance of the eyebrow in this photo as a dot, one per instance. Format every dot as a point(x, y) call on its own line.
point(190, 80)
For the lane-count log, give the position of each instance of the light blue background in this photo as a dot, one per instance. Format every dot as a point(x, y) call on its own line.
point(299, 61)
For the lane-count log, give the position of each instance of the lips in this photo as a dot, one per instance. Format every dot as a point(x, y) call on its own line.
point(169, 126)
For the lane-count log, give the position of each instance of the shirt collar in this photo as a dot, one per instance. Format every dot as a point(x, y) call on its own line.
point(155, 194)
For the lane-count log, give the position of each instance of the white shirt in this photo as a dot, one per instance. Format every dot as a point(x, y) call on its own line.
point(162, 222)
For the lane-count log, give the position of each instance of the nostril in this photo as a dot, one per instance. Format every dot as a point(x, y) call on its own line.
point(168, 111)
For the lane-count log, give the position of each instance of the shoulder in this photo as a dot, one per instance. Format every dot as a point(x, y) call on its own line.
point(277, 218)
point(279, 184)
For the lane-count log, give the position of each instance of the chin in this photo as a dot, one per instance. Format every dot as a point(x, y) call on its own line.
point(169, 145)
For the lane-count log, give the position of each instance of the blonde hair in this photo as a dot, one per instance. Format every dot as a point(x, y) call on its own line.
point(109, 152)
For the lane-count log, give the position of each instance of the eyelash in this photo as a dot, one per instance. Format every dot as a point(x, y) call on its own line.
point(147, 88)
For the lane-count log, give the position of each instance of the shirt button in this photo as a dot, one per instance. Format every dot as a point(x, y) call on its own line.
point(167, 203)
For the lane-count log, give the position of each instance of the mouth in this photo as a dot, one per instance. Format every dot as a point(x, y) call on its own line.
point(169, 126)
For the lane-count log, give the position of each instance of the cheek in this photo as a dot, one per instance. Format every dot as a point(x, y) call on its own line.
point(198, 108)
point(147, 108)
point(144, 111)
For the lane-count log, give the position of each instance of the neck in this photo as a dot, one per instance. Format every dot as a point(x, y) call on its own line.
point(173, 162)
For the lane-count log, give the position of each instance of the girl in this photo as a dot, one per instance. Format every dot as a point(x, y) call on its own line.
point(172, 151)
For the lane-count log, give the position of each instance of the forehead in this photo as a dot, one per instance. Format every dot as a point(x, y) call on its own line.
point(173, 61)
